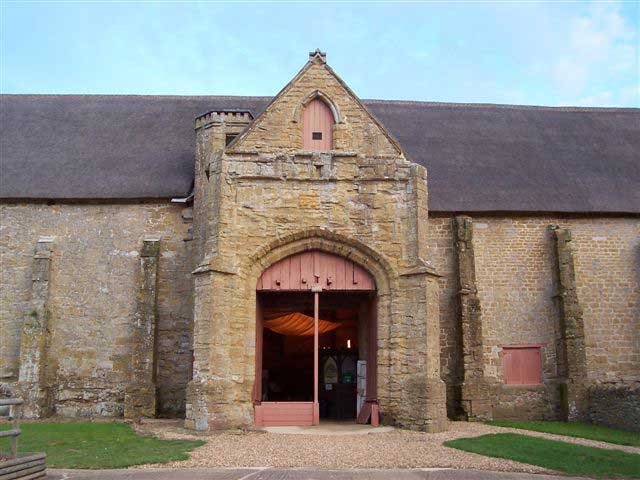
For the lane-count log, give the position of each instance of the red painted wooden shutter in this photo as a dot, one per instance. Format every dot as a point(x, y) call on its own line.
point(522, 365)
point(317, 127)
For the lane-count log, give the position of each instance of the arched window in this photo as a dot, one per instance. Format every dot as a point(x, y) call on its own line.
point(317, 126)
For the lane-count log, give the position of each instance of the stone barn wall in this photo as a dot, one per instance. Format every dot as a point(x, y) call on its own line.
point(94, 276)
point(94, 281)
point(515, 262)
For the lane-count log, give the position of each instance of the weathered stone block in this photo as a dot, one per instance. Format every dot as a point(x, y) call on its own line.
point(140, 401)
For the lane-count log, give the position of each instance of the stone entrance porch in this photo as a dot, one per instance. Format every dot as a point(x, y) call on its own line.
point(409, 390)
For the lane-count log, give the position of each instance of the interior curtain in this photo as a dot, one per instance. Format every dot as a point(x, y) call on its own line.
point(298, 324)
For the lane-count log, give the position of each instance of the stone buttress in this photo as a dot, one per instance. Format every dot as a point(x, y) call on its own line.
point(141, 393)
point(33, 385)
point(573, 362)
point(477, 395)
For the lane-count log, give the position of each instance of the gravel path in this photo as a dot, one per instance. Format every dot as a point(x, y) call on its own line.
point(396, 449)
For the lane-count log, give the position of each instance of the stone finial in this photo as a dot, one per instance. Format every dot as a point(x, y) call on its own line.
point(318, 56)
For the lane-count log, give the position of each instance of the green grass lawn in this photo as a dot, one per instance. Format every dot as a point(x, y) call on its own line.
point(97, 445)
point(561, 456)
point(580, 430)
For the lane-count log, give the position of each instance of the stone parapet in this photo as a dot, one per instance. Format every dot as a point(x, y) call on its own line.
point(213, 117)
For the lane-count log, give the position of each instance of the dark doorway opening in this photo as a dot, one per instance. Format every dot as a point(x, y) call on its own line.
point(287, 366)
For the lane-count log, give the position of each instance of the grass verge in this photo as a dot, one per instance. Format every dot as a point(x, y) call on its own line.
point(561, 456)
point(579, 430)
point(98, 445)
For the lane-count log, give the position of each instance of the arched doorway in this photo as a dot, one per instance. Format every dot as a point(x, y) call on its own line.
point(316, 341)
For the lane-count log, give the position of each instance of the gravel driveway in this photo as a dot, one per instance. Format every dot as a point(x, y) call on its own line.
point(396, 449)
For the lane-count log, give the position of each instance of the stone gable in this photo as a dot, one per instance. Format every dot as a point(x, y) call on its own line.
point(279, 129)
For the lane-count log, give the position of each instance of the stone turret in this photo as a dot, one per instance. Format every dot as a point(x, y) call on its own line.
point(214, 131)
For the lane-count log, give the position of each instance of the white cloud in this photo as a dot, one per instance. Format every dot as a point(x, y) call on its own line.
point(598, 47)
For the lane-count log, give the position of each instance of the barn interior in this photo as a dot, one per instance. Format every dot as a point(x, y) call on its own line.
point(287, 355)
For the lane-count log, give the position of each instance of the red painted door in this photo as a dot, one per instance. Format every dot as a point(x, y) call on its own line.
point(317, 127)
point(315, 268)
point(312, 271)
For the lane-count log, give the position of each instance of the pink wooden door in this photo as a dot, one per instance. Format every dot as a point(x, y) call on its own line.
point(317, 127)
point(311, 271)
point(315, 268)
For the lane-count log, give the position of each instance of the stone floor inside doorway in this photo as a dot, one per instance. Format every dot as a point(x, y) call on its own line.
point(337, 447)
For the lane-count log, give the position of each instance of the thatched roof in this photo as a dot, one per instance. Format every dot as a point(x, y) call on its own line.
point(478, 157)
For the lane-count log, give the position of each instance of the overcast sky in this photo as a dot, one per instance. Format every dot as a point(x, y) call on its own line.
point(573, 53)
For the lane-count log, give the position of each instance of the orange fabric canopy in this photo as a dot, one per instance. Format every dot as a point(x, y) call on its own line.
point(298, 324)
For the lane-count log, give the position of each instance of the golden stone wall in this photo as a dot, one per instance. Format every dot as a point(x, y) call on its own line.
point(517, 284)
point(92, 299)
point(94, 268)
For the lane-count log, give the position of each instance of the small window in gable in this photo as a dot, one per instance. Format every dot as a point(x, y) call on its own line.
point(522, 364)
point(317, 126)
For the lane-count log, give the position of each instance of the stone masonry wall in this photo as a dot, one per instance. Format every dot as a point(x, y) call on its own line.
point(615, 405)
point(93, 288)
point(93, 291)
point(516, 284)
